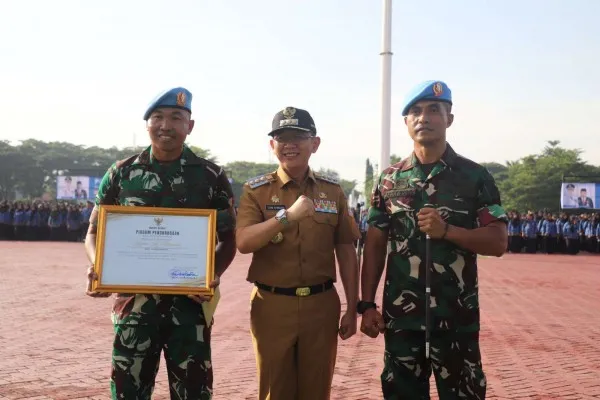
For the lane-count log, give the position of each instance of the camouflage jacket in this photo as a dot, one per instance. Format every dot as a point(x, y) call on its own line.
point(190, 182)
point(465, 195)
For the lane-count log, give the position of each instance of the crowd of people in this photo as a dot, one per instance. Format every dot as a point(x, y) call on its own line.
point(41, 220)
point(553, 233)
point(529, 232)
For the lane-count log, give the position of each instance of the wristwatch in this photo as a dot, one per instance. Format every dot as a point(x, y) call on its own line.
point(281, 216)
point(363, 306)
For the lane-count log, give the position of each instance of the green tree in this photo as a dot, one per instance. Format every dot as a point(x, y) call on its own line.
point(241, 171)
point(395, 159)
point(533, 182)
point(32, 166)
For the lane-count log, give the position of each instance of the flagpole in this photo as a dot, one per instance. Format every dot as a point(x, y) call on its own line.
point(386, 80)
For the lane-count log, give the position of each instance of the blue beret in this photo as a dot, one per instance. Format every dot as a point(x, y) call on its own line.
point(428, 90)
point(172, 98)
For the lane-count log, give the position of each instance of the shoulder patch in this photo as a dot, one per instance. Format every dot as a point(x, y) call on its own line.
point(260, 180)
point(326, 178)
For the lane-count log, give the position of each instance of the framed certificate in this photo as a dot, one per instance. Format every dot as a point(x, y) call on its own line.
point(155, 250)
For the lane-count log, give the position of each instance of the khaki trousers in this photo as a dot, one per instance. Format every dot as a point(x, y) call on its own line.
point(295, 344)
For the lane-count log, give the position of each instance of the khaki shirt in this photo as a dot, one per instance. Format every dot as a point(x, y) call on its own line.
point(306, 255)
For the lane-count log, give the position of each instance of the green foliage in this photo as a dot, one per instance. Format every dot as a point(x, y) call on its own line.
point(395, 159)
point(241, 171)
point(530, 183)
point(31, 167)
point(534, 182)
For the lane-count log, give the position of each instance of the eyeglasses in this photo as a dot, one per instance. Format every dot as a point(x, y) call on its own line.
point(291, 138)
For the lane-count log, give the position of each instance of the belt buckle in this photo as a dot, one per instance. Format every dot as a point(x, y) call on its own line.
point(302, 291)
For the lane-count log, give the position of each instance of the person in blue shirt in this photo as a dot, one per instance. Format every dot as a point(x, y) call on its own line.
point(36, 221)
point(5, 219)
point(597, 231)
point(539, 220)
point(590, 234)
point(530, 233)
point(550, 234)
point(44, 227)
point(73, 224)
point(571, 233)
point(85, 216)
point(19, 222)
point(560, 241)
point(515, 241)
point(583, 224)
point(27, 215)
point(55, 222)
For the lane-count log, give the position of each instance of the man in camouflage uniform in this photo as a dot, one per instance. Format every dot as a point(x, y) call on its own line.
point(437, 192)
point(166, 174)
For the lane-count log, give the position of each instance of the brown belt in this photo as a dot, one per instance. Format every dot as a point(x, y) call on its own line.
point(302, 291)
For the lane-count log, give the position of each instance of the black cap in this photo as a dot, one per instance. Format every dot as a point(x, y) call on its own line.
point(293, 118)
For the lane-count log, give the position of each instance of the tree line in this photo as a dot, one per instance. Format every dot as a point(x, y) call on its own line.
point(30, 168)
point(530, 183)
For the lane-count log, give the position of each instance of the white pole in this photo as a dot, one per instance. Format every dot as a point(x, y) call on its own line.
point(386, 81)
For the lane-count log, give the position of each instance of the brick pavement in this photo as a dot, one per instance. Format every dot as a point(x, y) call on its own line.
point(541, 335)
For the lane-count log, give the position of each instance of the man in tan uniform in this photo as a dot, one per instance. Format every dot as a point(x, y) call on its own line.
point(295, 222)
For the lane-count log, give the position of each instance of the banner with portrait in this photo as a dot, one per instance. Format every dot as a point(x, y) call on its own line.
point(69, 187)
point(579, 195)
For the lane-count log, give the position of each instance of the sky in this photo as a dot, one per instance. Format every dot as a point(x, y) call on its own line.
point(521, 72)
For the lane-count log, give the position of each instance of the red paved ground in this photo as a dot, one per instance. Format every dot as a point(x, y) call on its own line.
point(541, 335)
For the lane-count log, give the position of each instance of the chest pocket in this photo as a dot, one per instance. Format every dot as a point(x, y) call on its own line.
point(198, 195)
point(401, 202)
point(138, 187)
point(457, 202)
point(322, 231)
point(403, 223)
point(325, 220)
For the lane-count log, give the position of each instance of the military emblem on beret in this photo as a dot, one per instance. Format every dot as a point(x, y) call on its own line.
point(181, 99)
point(438, 89)
point(289, 112)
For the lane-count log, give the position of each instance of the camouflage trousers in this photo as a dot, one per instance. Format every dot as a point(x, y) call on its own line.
point(454, 358)
point(136, 358)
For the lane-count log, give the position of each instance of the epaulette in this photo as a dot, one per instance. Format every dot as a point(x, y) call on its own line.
point(326, 178)
point(260, 180)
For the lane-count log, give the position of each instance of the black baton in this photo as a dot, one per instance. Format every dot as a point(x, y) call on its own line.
point(427, 294)
point(428, 266)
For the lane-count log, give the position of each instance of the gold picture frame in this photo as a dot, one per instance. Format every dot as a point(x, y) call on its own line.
point(157, 247)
